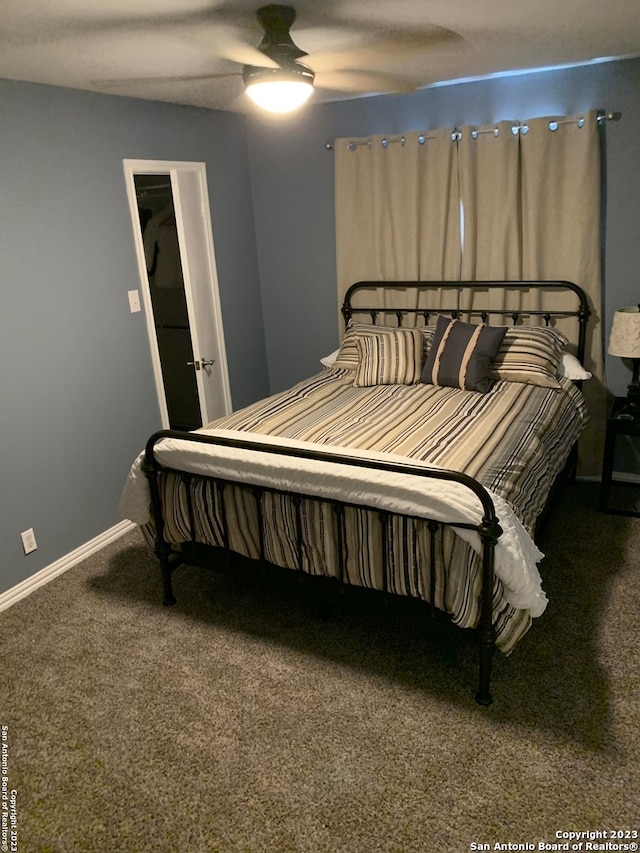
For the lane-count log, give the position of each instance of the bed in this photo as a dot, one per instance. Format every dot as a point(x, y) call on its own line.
point(418, 462)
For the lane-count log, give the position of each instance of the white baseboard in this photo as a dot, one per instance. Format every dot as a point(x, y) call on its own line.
point(26, 587)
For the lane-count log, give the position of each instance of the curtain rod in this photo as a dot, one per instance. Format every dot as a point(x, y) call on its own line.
point(456, 134)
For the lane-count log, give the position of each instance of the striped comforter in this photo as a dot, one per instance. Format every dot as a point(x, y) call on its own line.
point(513, 440)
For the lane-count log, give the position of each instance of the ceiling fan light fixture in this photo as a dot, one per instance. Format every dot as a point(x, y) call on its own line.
point(279, 90)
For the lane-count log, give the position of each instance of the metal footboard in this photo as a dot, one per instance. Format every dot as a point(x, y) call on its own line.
point(171, 557)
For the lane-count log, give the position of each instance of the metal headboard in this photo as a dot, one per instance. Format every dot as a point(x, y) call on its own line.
point(581, 312)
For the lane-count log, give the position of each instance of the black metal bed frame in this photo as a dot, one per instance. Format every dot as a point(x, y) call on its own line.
point(489, 529)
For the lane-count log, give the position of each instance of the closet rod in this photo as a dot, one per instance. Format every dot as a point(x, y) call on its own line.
point(154, 187)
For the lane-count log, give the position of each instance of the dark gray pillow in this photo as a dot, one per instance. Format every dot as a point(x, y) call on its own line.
point(462, 354)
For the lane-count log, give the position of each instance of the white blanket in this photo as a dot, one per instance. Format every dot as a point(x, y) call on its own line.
point(516, 555)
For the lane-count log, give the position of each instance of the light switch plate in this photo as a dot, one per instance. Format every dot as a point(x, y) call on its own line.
point(134, 301)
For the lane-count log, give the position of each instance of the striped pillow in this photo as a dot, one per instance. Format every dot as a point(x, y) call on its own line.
point(428, 333)
point(461, 355)
point(529, 354)
point(393, 358)
point(348, 357)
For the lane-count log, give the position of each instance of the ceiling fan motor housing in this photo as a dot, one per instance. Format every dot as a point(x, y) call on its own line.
point(287, 71)
point(278, 45)
point(276, 21)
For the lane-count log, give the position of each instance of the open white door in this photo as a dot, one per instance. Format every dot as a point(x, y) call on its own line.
point(205, 362)
point(201, 288)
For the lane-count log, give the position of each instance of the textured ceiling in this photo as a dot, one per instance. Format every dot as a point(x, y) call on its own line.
point(191, 51)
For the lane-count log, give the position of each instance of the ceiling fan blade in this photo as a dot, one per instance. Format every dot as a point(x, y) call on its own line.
point(208, 27)
point(137, 81)
point(372, 50)
point(365, 82)
point(57, 25)
point(226, 43)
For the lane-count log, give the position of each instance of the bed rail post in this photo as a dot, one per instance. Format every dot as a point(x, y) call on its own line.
point(338, 511)
point(489, 532)
point(258, 494)
point(433, 528)
point(384, 535)
point(297, 504)
point(162, 549)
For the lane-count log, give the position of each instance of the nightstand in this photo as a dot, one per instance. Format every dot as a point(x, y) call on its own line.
point(619, 423)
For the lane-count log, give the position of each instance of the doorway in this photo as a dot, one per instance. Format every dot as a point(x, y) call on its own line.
point(174, 246)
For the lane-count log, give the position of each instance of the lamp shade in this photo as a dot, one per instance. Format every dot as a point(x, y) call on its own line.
point(279, 90)
point(624, 340)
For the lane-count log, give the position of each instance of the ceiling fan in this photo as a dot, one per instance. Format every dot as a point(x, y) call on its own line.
point(279, 76)
point(288, 84)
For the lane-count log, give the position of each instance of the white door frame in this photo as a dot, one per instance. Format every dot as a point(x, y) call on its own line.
point(172, 168)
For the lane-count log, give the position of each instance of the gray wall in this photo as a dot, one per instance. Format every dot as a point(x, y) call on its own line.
point(292, 180)
point(77, 398)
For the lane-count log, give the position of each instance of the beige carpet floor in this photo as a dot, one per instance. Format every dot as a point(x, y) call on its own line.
point(238, 721)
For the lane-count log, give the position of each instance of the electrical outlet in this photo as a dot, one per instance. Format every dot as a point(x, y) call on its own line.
point(29, 540)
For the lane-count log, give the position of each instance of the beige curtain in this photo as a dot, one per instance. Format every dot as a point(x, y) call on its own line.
point(397, 209)
point(490, 192)
point(561, 191)
point(530, 198)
